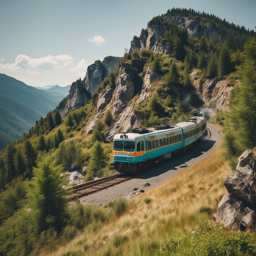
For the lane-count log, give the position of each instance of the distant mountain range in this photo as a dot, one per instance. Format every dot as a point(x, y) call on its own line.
point(20, 106)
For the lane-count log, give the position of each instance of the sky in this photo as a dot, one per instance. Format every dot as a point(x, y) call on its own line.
point(51, 42)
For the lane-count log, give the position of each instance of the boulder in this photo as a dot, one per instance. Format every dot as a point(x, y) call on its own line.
point(124, 89)
point(242, 181)
point(233, 214)
point(163, 47)
point(75, 178)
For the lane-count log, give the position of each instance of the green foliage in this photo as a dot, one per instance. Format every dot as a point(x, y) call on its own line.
point(224, 61)
point(179, 50)
point(212, 68)
point(30, 156)
point(147, 200)
point(68, 121)
point(47, 198)
point(202, 62)
point(9, 162)
point(19, 161)
point(41, 145)
point(69, 154)
point(97, 161)
point(118, 206)
point(50, 122)
point(156, 66)
point(108, 118)
point(168, 101)
point(97, 132)
point(240, 132)
point(156, 106)
point(203, 45)
point(57, 118)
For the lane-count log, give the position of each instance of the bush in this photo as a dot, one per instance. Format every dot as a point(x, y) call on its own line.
point(118, 206)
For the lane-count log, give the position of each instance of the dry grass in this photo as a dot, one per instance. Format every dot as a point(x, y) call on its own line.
point(177, 205)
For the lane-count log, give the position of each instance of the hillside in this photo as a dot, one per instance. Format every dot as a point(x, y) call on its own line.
point(58, 92)
point(166, 73)
point(21, 105)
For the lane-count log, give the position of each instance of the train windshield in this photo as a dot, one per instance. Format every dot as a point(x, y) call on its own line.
point(129, 145)
point(118, 145)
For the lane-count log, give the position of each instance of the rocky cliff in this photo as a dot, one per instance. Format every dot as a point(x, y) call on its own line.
point(212, 90)
point(236, 210)
point(81, 91)
point(151, 37)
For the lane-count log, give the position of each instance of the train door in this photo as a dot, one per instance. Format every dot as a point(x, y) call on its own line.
point(144, 149)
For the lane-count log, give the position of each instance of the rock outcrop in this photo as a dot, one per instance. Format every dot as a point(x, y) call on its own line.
point(105, 98)
point(81, 91)
point(124, 89)
point(236, 210)
point(163, 47)
point(149, 78)
point(212, 90)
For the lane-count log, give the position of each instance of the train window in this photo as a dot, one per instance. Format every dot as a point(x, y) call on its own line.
point(142, 145)
point(138, 146)
point(166, 141)
point(161, 142)
point(129, 145)
point(169, 140)
point(118, 145)
point(149, 145)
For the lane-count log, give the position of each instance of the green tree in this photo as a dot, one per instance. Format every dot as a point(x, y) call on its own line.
point(224, 61)
point(212, 67)
point(29, 155)
point(156, 106)
point(69, 122)
point(41, 145)
point(179, 50)
point(97, 132)
point(19, 161)
point(108, 118)
point(203, 45)
point(240, 133)
point(168, 101)
point(156, 66)
point(57, 118)
point(171, 81)
point(98, 159)
point(60, 136)
point(50, 123)
point(202, 62)
point(47, 197)
point(9, 162)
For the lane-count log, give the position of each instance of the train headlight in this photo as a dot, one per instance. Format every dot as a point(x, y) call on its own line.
point(129, 158)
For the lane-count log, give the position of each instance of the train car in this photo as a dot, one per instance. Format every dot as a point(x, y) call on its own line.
point(139, 148)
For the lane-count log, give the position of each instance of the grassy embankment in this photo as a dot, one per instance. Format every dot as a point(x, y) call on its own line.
point(175, 218)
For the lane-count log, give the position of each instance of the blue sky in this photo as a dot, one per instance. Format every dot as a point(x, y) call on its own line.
point(52, 42)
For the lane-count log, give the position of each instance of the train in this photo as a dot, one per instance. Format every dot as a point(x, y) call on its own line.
point(139, 148)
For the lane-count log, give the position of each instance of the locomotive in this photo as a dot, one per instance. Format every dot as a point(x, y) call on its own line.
point(137, 149)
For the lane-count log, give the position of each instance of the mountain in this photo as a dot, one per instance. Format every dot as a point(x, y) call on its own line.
point(81, 91)
point(58, 92)
point(20, 106)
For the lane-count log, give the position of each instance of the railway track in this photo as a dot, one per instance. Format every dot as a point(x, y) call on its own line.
point(94, 186)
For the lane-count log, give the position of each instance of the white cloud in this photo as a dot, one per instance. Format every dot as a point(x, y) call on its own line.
point(98, 40)
point(24, 63)
point(81, 68)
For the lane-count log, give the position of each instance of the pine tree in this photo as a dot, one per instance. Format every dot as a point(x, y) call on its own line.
point(29, 155)
point(19, 161)
point(202, 62)
point(97, 134)
point(224, 61)
point(60, 136)
point(240, 134)
point(156, 106)
point(156, 66)
point(47, 198)
point(203, 45)
point(179, 51)
point(50, 123)
point(69, 122)
point(108, 118)
point(187, 81)
point(171, 81)
point(9, 162)
point(41, 145)
point(212, 68)
point(57, 118)
point(98, 158)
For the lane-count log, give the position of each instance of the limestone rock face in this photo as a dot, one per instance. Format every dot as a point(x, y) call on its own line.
point(105, 98)
point(124, 89)
point(94, 76)
point(126, 120)
point(236, 210)
point(77, 98)
point(155, 30)
point(80, 91)
point(92, 124)
point(149, 78)
point(233, 214)
point(213, 90)
point(162, 47)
